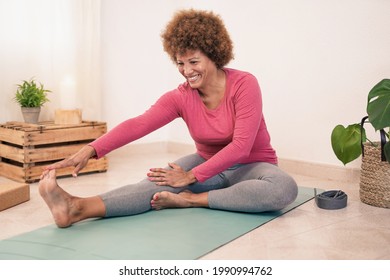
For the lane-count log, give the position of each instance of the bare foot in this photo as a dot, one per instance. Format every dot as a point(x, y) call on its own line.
point(61, 203)
point(184, 199)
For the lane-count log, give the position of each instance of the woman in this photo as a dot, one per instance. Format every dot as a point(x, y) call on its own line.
point(235, 166)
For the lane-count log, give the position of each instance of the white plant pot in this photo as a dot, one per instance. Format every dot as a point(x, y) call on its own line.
point(31, 114)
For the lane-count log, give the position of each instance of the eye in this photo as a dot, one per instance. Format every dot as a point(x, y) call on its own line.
point(194, 62)
point(179, 64)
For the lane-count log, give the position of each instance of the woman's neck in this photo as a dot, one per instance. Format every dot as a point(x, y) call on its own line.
point(215, 86)
point(214, 91)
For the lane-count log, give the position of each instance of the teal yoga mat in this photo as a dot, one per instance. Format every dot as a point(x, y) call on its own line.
point(170, 234)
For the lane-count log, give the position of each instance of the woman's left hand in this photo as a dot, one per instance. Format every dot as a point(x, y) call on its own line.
point(176, 177)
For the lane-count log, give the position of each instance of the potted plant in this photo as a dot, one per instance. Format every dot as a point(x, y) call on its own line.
point(347, 142)
point(351, 142)
point(31, 97)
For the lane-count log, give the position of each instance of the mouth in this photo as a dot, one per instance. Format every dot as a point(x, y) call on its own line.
point(193, 78)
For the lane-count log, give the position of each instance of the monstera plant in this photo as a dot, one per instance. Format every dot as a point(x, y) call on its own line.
point(347, 141)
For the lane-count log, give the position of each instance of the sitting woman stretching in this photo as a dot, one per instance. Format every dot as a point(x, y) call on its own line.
point(234, 167)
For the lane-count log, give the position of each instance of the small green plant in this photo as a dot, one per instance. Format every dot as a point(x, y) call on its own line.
point(346, 142)
point(30, 94)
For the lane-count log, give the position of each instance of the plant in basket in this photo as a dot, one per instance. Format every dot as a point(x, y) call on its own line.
point(347, 142)
point(351, 142)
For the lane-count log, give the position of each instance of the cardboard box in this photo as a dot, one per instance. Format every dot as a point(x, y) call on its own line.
point(25, 149)
point(12, 194)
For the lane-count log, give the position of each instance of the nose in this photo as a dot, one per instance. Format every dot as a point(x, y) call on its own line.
point(187, 69)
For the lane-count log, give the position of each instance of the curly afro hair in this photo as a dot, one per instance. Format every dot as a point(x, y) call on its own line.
point(198, 30)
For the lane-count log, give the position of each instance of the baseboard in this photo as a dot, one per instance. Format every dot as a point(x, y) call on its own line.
point(311, 169)
point(321, 171)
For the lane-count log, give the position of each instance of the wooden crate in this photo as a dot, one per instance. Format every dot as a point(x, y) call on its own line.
point(26, 148)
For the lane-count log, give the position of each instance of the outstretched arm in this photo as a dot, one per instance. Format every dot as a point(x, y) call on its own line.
point(79, 160)
point(159, 114)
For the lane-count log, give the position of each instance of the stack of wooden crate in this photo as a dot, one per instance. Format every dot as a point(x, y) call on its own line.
point(25, 149)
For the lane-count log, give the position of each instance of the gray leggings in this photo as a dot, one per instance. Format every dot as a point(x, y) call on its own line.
point(254, 187)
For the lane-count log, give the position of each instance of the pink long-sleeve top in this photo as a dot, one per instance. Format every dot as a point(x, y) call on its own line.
point(234, 132)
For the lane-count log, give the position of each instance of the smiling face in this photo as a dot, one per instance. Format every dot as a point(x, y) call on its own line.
point(197, 68)
point(191, 29)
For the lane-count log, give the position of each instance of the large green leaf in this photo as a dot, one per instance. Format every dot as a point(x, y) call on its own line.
point(346, 142)
point(378, 106)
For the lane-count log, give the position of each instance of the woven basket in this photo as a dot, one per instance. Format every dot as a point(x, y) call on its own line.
point(375, 177)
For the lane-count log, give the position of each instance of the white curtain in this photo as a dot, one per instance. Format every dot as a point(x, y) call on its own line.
point(57, 43)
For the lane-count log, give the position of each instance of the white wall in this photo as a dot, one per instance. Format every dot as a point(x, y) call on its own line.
point(315, 60)
point(135, 69)
point(57, 43)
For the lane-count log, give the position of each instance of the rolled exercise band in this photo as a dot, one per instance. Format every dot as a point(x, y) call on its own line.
point(331, 199)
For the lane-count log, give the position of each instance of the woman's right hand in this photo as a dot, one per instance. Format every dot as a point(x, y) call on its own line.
point(79, 160)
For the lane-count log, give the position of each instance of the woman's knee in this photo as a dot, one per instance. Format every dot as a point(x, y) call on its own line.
point(276, 194)
point(287, 192)
point(189, 161)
